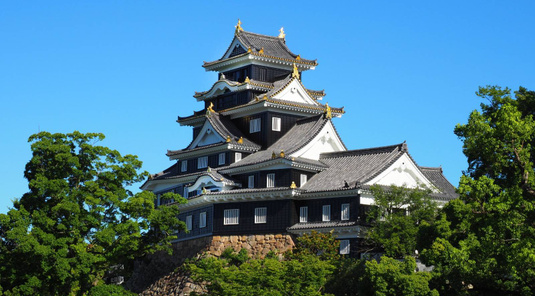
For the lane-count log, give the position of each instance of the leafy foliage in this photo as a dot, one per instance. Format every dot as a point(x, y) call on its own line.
point(78, 218)
point(487, 246)
point(396, 218)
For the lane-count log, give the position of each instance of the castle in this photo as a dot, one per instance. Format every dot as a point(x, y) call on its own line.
point(266, 157)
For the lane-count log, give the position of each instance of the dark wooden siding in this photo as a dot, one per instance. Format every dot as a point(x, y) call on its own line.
point(315, 208)
point(238, 74)
point(283, 178)
point(279, 215)
point(213, 162)
point(195, 229)
point(268, 74)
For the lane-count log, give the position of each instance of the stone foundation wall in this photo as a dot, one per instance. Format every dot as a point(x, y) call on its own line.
point(155, 272)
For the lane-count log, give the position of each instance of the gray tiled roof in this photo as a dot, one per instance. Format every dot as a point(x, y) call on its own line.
point(316, 225)
point(173, 172)
point(298, 136)
point(436, 176)
point(224, 127)
point(353, 166)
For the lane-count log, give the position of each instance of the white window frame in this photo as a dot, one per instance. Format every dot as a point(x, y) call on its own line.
point(270, 180)
point(186, 192)
point(344, 212)
point(231, 217)
point(276, 124)
point(222, 158)
point(250, 181)
point(303, 214)
point(202, 162)
point(326, 213)
point(184, 166)
point(260, 215)
point(237, 156)
point(254, 125)
point(202, 220)
point(303, 179)
point(345, 247)
point(189, 222)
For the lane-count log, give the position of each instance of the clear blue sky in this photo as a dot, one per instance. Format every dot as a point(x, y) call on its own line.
point(404, 70)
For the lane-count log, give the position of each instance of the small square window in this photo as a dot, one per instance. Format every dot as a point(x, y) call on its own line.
point(237, 156)
point(202, 162)
point(345, 212)
point(344, 246)
point(231, 217)
point(184, 166)
point(254, 125)
point(202, 220)
point(250, 183)
point(303, 179)
point(303, 214)
point(260, 215)
point(222, 158)
point(275, 124)
point(326, 213)
point(270, 180)
point(189, 222)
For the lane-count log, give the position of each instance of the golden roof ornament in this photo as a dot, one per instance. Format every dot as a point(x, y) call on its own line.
point(273, 155)
point(240, 140)
point(209, 170)
point(203, 190)
point(295, 73)
point(298, 58)
point(228, 139)
point(265, 97)
point(281, 33)
point(247, 79)
point(293, 186)
point(261, 51)
point(249, 49)
point(238, 27)
point(210, 109)
point(282, 153)
point(328, 113)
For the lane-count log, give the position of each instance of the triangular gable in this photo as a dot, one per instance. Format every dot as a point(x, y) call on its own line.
point(218, 88)
point(295, 92)
point(327, 140)
point(207, 136)
point(232, 48)
point(403, 172)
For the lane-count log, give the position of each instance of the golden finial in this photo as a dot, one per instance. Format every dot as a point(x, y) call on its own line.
point(249, 49)
point(273, 155)
point(328, 113)
point(210, 108)
point(240, 140)
point(295, 73)
point(238, 27)
point(293, 158)
point(298, 57)
point(293, 186)
point(203, 190)
point(228, 139)
point(265, 97)
point(282, 153)
point(261, 51)
point(209, 170)
point(281, 33)
point(247, 79)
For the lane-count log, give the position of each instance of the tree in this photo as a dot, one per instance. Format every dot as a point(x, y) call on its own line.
point(78, 218)
point(396, 217)
point(488, 244)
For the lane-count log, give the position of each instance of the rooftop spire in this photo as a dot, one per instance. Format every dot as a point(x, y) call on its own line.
point(238, 27)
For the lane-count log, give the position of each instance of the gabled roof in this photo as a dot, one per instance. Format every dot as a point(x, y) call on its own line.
point(228, 132)
point(353, 166)
point(297, 137)
point(436, 176)
point(173, 172)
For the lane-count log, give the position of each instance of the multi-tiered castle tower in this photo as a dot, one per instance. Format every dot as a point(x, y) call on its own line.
point(266, 158)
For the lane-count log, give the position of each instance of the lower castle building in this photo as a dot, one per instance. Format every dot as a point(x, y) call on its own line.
point(265, 156)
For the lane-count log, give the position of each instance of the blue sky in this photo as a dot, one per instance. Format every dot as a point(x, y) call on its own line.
point(404, 70)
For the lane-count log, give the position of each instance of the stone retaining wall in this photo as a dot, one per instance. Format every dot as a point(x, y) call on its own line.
point(155, 273)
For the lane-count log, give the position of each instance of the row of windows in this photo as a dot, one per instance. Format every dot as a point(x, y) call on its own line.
point(254, 125)
point(202, 221)
point(202, 162)
point(232, 216)
point(325, 213)
point(270, 180)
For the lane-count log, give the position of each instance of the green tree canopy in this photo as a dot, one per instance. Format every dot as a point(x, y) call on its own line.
point(487, 243)
point(78, 218)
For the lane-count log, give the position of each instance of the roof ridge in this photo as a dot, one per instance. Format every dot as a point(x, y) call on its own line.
point(383, 149)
